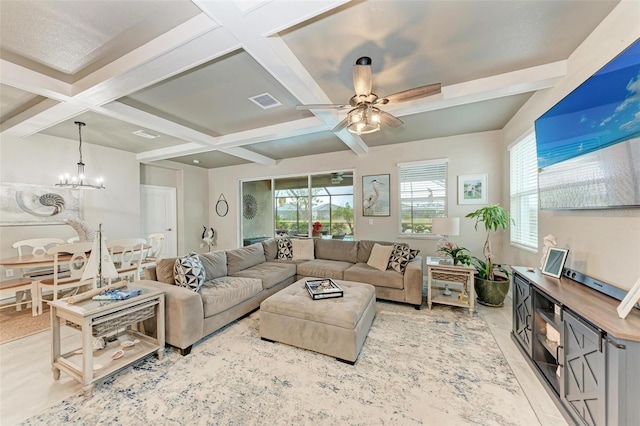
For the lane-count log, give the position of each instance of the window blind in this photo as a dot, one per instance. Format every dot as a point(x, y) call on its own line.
point(524, 193)
point(423, 194)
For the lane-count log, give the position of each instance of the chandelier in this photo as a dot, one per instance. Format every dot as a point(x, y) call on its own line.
point(78, 181)
point(364, 119)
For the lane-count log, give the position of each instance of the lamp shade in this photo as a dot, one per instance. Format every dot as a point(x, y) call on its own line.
point(445, 225)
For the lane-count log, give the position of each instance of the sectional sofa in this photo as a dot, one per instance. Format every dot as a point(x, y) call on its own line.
point(238, 280)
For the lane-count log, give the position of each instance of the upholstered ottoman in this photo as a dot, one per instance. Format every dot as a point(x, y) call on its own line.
point(335, 327)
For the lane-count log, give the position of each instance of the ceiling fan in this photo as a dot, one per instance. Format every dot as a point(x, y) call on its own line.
point(365, 115)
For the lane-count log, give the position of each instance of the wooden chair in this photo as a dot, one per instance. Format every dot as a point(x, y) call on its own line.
point(156, 241)
point(127, 255)
point(34, 246)
point(73, 258)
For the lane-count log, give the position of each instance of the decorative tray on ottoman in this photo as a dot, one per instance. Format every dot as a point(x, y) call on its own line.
point(323, 289)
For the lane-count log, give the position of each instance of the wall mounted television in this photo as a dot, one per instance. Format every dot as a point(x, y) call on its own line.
point(589, 143)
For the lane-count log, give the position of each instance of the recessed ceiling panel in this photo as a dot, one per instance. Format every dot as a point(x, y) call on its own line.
point(112, 133)
point(13, 101)
point(215, 96)
point(211, 160)
point(470, 118)
point(314, 143)
point(415, 43)
point(76, 38)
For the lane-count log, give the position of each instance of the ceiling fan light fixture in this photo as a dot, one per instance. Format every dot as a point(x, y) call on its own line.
point(364, 120)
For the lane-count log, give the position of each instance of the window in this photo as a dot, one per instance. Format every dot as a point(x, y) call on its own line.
point(524, 193)
point(423, 195)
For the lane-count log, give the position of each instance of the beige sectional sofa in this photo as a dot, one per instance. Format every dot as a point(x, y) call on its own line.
point(238, 280)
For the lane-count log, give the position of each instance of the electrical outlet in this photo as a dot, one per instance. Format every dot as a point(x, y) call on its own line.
point(370, 221)
point(8, 273)
point(201, 245)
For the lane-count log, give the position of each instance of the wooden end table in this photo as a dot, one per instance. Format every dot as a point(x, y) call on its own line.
point(94, 319)
point(458, 275)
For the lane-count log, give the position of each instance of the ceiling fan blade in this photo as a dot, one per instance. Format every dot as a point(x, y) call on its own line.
point(390, 120)
point(362, 79)
point(321, 106)
point(341, 125)
point(411, 94)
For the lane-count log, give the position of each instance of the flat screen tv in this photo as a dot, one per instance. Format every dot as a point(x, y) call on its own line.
point(589, 143)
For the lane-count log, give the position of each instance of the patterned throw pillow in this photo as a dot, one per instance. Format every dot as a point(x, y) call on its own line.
point(401, 256)
point(285, 248)
point(188, 271)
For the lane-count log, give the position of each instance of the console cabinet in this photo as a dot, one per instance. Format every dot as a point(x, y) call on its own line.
point(585, 355)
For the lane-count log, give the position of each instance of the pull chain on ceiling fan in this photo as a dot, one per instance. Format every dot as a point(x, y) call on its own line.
point(365, 116)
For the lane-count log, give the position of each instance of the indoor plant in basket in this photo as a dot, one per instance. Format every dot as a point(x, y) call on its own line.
point(491, 288)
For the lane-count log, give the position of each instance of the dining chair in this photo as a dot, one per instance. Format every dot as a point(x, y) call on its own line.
point(153, 254)
point(127, 255)
point(22, 286)
point(69, 263)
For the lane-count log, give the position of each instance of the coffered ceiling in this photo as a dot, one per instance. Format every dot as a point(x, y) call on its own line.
point(184, 70)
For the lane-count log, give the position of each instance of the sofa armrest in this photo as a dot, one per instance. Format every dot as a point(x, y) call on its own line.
point(413, 276)
point(184, 313)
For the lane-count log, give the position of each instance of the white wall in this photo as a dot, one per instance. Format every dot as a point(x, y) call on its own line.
point(468, 154)
point(603, 243)
point(40, 159)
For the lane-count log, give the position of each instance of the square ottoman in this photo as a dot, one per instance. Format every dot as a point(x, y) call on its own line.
point(336, 327)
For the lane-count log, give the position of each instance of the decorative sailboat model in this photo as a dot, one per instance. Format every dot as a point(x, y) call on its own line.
point(100, 269)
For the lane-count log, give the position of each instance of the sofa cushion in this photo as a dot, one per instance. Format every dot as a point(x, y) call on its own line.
point(361, 272)
point(323, 268)
point(270, 247)
point(223, 293)
point(302, 249)
point(188, 271)
point(401, 256)
point(346, 251)
point(215, 264)
point(271, 273)
point(245, 257)
point(164, 270)
point(379, 258)
point(285, 248)
point(365, 247)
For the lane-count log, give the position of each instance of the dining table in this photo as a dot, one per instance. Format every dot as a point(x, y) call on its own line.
point(27, 261)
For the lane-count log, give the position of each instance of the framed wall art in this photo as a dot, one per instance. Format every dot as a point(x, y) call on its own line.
point(375, 195)
point(472, 189)
point(26, 204)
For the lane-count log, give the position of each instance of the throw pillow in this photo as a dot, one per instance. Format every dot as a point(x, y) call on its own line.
point(302, 249)
point(285, 250)
point(189, 272)
point(401, 255)
point(379, 257)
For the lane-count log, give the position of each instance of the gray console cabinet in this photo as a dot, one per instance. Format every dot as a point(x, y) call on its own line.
point(593, 371)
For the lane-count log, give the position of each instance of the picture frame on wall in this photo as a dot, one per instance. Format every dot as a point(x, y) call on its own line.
point(375, 195)
point(472, 189)
point(28, 204)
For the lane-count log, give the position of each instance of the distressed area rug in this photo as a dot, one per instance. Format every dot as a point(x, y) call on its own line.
point(437, 367)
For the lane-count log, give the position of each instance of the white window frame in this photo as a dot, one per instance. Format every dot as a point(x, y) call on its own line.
point(434, 162)
point(523, 184)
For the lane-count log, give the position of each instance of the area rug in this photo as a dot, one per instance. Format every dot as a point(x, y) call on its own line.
point(18, 324)
point(439, 367)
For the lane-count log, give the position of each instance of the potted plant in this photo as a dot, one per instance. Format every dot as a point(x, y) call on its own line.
point(491, 288)
point(456, 253)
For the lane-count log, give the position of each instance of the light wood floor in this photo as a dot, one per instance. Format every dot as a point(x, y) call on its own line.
point(27, 386)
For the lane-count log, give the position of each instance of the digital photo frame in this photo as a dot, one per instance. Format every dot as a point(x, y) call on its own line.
point(554, 263)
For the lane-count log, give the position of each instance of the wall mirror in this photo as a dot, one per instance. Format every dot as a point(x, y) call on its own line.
point(222, 207)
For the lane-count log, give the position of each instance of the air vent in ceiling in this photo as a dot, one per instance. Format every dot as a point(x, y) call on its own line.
point(145, 134)
point(265, 100)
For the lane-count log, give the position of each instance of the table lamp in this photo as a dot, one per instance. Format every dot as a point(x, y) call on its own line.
point(445, 226)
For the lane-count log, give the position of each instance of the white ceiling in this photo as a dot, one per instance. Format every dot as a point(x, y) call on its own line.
point(184, 70)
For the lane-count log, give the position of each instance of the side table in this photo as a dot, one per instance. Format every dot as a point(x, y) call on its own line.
point(114, 318)
point(437, 274)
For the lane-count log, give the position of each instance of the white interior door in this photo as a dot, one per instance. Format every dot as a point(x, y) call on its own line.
point(158, 214)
